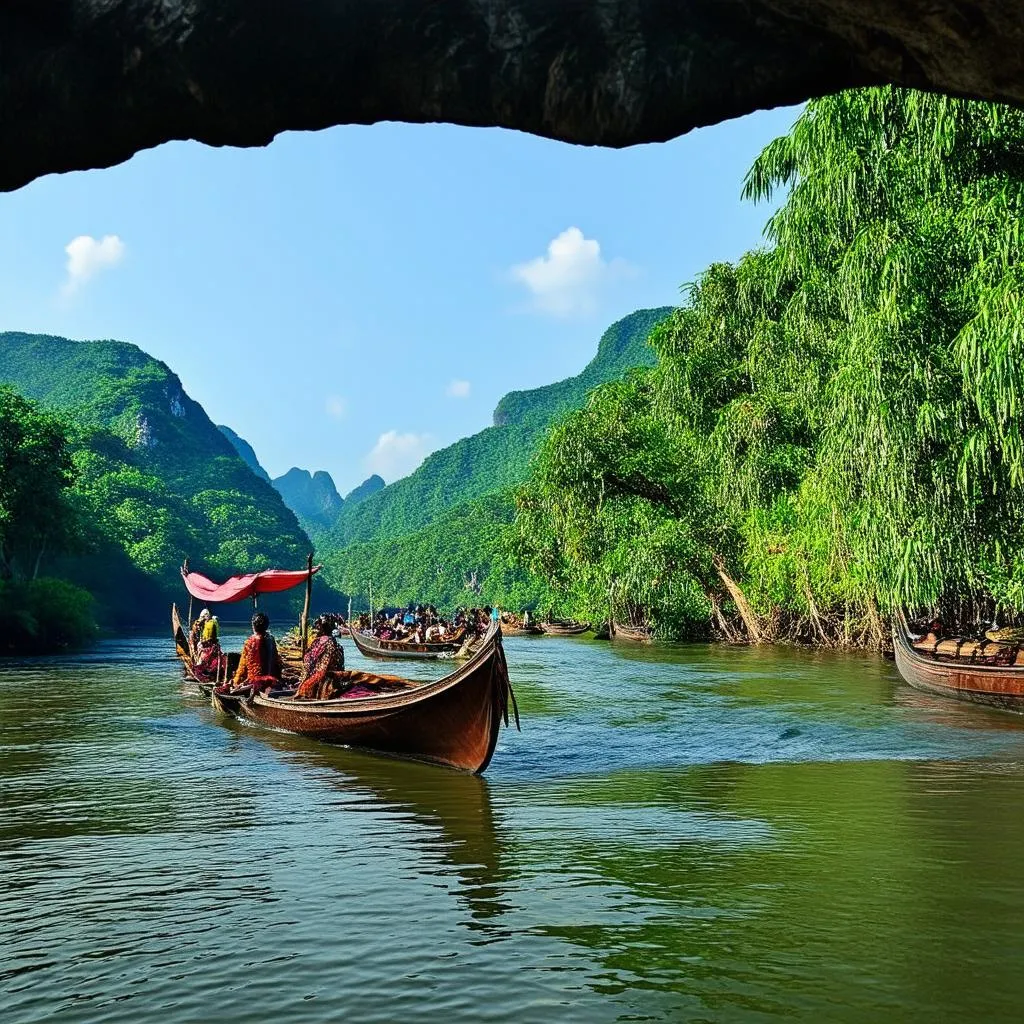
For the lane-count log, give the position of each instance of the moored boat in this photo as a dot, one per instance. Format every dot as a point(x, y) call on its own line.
point(565, 627)
point(983, 672)
point(636, 634)
point(511, 626)
point(453, 721)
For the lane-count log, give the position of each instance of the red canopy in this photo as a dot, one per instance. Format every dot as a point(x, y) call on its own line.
point(238, 588)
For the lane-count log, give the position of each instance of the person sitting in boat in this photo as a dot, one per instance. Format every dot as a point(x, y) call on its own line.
point(260, 667)
point(195, 633)
point(209, 657)
point(321, 661)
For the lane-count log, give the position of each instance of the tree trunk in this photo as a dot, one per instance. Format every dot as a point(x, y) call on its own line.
point(877, 630)
point(747, 614)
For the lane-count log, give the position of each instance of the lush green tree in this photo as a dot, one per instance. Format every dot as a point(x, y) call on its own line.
point(832, 431)
point(36, 471)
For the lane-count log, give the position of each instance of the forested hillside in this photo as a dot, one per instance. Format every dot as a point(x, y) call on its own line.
point(498, 457)
point(437, 535)
point(245, 451)
point(311, 496)
point(833, 429)
point(155, 480)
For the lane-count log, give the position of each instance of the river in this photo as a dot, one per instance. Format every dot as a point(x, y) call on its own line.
point(678, 834)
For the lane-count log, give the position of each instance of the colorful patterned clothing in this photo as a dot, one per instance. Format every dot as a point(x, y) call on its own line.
point(323, 658)
point(260, 664)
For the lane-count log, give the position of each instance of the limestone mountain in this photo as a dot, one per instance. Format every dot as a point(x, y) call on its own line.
point(245, 451)
point(312, 497)
point(370, 486)
point(157, 481)
point(497, 457)
point(434, 535)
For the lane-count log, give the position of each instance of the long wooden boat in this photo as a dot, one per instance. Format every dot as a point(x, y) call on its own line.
point(636, 634)
point(373, 647)
point(516, 629)
point(565, 628)
point(453, 721)
point(959, 674)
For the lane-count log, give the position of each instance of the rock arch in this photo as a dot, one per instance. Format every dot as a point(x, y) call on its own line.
point(86, 83)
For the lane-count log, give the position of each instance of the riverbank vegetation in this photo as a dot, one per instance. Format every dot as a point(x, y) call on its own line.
point(144, 478)
point(37, 515)
point(833, 428)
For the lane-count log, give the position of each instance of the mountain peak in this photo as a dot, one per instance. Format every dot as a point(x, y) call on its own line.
point(311, 496)
point(371, 485)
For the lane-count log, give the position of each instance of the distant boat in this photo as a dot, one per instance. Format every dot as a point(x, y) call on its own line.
point(514, 627)
point(373, 647)
point(453, 721)
point(637, 634)
point(565, 627)
point(983, 672)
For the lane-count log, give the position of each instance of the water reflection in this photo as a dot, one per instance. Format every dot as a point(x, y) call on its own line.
point(455, 808)
point(687, 834)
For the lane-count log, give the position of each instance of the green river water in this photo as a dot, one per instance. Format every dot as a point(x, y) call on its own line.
point(678, 834)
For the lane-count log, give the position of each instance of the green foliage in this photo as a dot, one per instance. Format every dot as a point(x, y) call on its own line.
point(156, 481)
point(35, 473)
point(833, 425)
point(496, 459)
point(44, 615)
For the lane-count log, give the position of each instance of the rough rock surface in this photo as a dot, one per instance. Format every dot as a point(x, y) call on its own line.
point(86, 83)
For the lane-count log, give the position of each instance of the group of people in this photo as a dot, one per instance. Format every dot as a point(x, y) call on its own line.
point(322, 673)
point(260, 666)
point(421, 624)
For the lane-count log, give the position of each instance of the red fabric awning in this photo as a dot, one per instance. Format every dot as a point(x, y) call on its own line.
point(238, 588)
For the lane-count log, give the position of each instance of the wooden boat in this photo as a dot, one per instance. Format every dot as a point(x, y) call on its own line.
point(636, 634)
point(565, 628)
point(516, 628)
point(373, 647)
point(183, 649)
point(453, 721)
point(966, 670)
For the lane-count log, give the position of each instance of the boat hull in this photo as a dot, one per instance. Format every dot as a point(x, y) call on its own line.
point(633, 634)
point(553, 629)
point(395, 650)
point(993, 686)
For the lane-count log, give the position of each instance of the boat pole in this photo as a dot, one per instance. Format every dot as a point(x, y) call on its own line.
point(303, 622)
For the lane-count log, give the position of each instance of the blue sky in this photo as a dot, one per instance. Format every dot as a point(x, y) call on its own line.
point(382, 286)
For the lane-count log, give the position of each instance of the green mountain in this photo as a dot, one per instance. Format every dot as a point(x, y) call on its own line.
point(436, 535)
point(157, 481)
point(312, 497)
point(370, 486)
point(498, 457)
point(245, 451)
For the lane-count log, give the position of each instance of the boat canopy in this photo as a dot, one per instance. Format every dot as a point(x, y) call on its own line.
point(238, 588)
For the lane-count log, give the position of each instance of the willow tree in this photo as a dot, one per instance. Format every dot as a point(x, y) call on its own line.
point(901, 232)
point(832, 429)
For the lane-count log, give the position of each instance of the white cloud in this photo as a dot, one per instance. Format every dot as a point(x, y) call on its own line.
point(396, 455)
point(87, 256)
point(458, 389)
point(567, 281)
point(336, 407)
